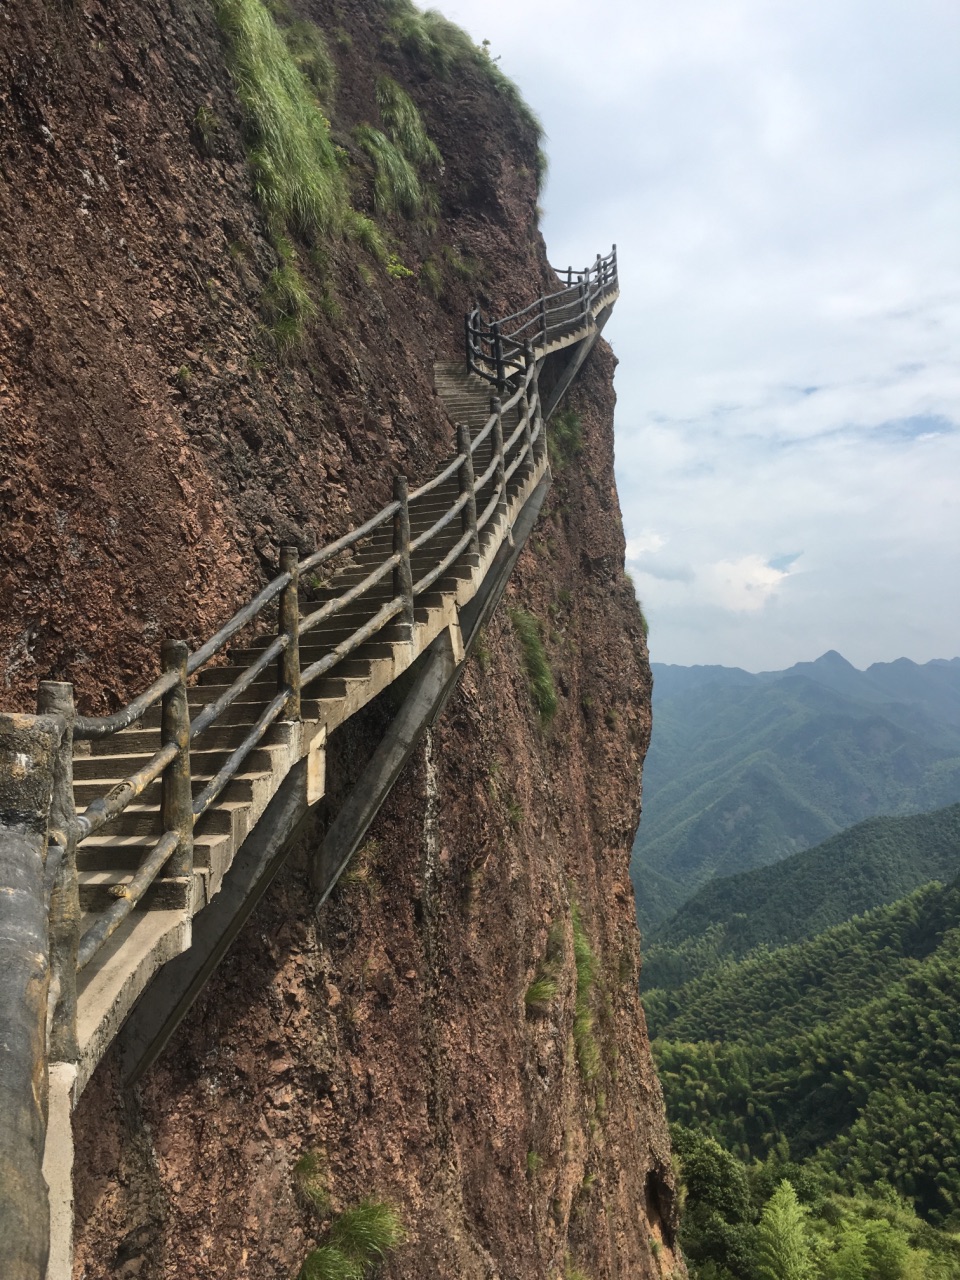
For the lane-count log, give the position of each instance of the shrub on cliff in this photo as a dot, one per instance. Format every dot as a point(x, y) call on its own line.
point(539, 675)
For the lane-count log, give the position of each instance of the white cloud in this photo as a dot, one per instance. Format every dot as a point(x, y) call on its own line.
point(744, 585)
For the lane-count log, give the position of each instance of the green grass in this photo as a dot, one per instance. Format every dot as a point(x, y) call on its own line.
point(431, 279)
point(328, 1263)
point(287, 303)
point(357, 1240)
point(444, 47)
point(296, 173)
point(396, 185)
point(404, 125)
point(431, 38)
point(588, 1051)
point(539, 675)
point(534, 1163)
point(309, 50)
point(541, 993)
point(564, 438)
point(365, 232)
point(368, 1232)
point(206, 127)
point(310, 1180)
point(464, 267)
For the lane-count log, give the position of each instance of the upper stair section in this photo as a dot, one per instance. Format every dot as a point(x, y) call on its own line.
point(497, 350)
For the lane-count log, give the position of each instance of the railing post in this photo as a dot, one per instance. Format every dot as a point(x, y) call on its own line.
point(543, 320)
point(288, 668)
point(582, 296)
point(525, 400)
point(176, 792)
point(540, 447)
point(498, 356)
point(569, 277)
point(467, 481)
point(403, 573)
point(55, 698)
point(495, 407)
point(467, 340)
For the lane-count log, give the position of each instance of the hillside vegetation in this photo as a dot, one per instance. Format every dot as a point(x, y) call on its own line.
point(831, 1063)
point(873, 863)
point(747, 769)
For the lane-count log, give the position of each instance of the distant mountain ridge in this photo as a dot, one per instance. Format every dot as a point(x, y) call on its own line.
point(870, 865)
point(745, 769)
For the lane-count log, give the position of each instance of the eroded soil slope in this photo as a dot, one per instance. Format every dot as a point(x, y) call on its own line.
point(155, 452)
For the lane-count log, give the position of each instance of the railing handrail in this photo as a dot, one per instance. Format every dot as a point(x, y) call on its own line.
point(392, 577)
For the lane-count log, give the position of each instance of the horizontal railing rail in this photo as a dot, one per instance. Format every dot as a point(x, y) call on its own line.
point(490, 486)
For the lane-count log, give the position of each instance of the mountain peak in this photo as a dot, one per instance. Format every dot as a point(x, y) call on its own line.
point(833, 659)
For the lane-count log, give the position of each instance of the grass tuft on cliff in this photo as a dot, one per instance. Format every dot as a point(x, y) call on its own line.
point(367, 1232)
point(396, 185)
point(357, 1240)
point(308, 48)
point(328, 1263)
point(536, 663)
point(296, 174)
point(564, 438)
point(310, 1180)
point(287, 302)
point(404, 124)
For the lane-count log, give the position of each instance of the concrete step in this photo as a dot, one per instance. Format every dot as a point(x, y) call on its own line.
point(126, 853)
point(260, 760)
point(223, 819)
point(165, 894)
point(145, 738)
point(371, 651)
point(240, 787)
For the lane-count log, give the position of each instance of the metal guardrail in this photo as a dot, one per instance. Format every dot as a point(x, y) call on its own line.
point(495, 348)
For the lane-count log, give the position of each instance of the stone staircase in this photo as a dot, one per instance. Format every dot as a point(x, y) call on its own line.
point(107, 861)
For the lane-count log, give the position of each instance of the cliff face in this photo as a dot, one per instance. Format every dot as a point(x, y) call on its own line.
point(155, 453)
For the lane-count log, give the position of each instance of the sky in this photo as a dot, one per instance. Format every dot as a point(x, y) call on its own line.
point(782, 181)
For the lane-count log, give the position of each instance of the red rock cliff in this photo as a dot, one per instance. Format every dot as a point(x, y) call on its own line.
point(155, 452)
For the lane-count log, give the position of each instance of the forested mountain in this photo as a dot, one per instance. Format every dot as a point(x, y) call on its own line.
point(834, 1062)
point(746, 769)
point(873, 863)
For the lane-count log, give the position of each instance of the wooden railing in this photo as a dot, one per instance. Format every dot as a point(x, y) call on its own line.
point(386, 564)
point(479, 497)
point(495, 349)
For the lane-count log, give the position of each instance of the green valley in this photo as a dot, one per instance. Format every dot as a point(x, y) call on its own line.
point(813, 1085)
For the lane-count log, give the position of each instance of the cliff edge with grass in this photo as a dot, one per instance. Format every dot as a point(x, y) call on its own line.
point(236, 238)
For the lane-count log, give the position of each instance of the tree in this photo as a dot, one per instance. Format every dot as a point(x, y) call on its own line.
point(783, 1248)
